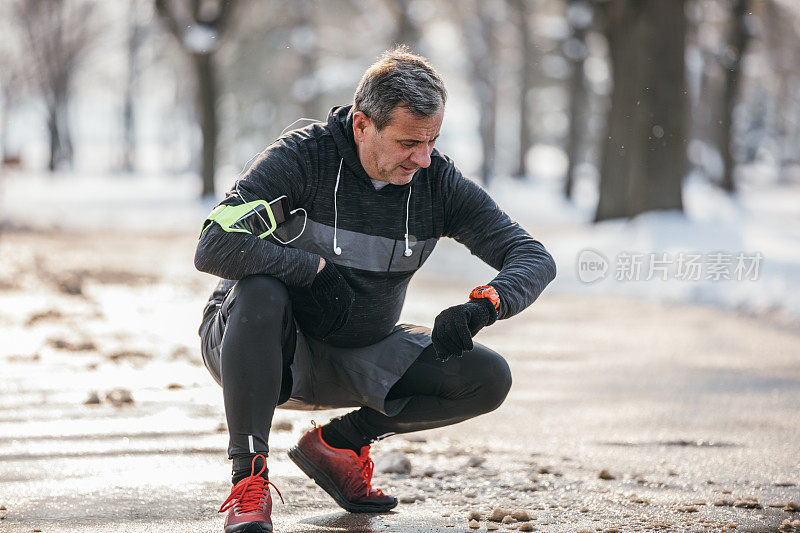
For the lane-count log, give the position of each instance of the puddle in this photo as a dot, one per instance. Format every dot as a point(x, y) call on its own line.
point(700, 443)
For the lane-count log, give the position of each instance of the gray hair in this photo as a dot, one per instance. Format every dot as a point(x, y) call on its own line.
point(399, 77)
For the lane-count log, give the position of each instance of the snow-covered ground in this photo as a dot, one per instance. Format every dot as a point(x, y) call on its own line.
point(740, 252)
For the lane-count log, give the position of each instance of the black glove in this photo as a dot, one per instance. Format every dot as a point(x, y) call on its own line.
point(454, 328)
point(335, 297)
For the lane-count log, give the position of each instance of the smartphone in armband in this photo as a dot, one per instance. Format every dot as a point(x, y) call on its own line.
point(257, 220)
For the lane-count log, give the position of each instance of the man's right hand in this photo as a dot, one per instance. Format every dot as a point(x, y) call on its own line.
point(334, 296)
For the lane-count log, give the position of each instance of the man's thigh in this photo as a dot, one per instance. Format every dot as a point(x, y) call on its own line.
point(455, 378)
point(214, 326)
point(211, 332)
point(328, 377)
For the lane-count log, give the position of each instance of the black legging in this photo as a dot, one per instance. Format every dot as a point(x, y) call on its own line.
point(440, 394)
point(257, 350)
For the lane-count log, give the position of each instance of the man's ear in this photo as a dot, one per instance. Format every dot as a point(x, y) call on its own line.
point(361, 123)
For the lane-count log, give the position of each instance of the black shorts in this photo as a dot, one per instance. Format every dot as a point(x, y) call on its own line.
point(328, 377)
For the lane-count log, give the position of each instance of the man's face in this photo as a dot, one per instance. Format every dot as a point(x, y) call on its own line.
point(397, 151)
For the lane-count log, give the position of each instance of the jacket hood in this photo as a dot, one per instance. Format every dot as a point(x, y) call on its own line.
point(340, 123)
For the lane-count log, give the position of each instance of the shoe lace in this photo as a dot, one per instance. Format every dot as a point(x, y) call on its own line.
point(248, 494)
point(365, 469)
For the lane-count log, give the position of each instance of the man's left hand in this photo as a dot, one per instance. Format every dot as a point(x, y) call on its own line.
point(454, 328)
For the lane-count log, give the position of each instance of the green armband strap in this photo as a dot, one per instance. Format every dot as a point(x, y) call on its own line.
point(230, 217)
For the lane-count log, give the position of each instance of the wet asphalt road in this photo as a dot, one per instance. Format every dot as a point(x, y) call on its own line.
point(690, 410)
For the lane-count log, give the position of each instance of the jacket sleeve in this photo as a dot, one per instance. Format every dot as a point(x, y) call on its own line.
point(475, 220)
point(282, 169)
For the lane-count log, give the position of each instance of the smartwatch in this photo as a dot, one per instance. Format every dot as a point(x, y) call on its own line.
point(488, 292)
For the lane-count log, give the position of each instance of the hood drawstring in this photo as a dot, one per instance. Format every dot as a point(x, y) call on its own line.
point(336, 249)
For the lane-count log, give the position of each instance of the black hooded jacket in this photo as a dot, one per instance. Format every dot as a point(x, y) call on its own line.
point(370, 227)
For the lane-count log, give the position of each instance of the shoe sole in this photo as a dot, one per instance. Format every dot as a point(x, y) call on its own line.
point(250, 527)
point(326, 483)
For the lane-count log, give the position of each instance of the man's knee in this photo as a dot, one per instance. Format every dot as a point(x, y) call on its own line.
point(259, 298)
point(495, 377)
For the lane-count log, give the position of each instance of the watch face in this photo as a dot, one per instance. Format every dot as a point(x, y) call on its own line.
point(488, 292)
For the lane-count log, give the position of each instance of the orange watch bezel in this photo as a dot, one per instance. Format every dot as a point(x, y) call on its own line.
point(489, 292)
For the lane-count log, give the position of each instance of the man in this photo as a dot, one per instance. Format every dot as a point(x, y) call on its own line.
point(312, 325)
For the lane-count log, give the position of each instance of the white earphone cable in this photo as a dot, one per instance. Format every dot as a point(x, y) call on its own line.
point(296, 121)
point(244, 200)
point(408, 250)
point(292, 212)
point(336, 249)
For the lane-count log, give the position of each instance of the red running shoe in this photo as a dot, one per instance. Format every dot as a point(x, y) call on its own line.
point(347, 477)
point(250, 504)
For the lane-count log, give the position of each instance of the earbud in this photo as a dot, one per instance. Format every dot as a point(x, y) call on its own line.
point(337, 251)
point(408, 252)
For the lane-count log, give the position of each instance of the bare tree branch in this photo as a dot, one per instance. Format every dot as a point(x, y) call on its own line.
point(199, 31)
point(59, 35)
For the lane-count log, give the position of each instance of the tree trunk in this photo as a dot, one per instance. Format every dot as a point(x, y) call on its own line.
point(645, 153)
point(5, 110)
point(207, 110)
point(526, 82)
point(622, 33)
point(309, 100)
point(488, 131)
point(58, 129)
point(406, 30)
point(666, 158)
point(58, 36)
point(128, 133)
point(202, 57)
point(578, 97)
point(781, 54)
point(578, 122)
point(478, 28)
point(52, 129)
point(737, 44)
point(128, 116)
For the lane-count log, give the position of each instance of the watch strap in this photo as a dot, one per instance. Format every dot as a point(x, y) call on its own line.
point(488, 292)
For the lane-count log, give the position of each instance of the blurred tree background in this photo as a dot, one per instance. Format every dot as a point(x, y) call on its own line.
point(620, 100)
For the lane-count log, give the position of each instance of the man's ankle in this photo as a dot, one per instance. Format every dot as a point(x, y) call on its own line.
point(335, 439)
point(243, 466)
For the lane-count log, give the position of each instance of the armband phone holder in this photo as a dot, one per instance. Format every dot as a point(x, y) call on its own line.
point(255, 218)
